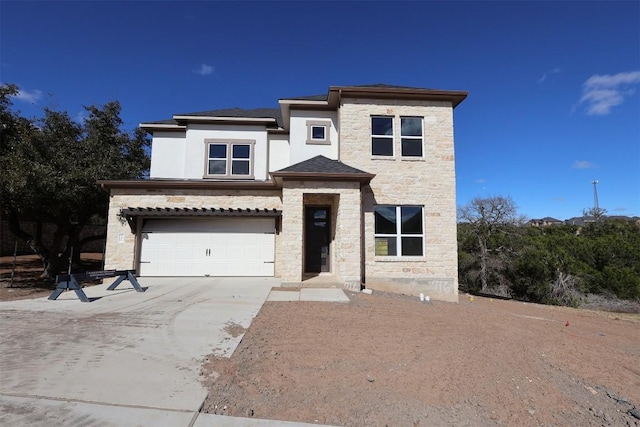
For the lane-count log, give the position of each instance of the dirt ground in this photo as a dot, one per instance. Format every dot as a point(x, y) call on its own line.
point(26, 270)
point(388, 360)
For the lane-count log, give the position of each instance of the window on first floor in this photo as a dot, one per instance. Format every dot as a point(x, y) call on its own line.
point(399, 231)
point(229, 159)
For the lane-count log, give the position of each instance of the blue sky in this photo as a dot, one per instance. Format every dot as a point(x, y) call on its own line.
point(553, 102)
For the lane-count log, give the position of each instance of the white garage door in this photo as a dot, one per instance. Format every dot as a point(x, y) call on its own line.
point(208, 247)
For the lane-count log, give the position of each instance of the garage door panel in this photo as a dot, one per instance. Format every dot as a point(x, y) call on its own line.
point(218, 247)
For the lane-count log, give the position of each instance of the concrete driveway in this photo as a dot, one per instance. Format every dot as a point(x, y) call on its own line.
point(66, 362)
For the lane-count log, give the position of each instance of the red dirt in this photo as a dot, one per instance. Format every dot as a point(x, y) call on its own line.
point(391, 360)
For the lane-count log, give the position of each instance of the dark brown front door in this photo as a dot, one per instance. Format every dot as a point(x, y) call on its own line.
point(317, 236)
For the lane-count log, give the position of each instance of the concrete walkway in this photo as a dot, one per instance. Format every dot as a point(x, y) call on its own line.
point(127, 358)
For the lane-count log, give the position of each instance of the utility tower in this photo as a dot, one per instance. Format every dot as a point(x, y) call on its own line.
point(596, 208)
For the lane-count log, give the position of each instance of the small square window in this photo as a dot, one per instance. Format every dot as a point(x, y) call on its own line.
point(318, 132)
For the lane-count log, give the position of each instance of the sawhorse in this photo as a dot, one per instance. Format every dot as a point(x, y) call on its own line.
point(71, 282)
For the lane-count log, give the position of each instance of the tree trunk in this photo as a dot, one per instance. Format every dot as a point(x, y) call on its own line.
point(34, 242)
point(53, 265)
point(484, 253)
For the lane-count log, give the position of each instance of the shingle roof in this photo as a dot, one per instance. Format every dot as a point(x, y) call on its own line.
point(373, 86)
point(255, 113)
point(163, 122)
point(309, 98)
point(321, 164)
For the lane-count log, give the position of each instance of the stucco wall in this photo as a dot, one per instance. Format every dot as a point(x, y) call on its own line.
point(427, 181)
point(300, 149)
point(167, 155)
point(278, 152)
point(120, 246)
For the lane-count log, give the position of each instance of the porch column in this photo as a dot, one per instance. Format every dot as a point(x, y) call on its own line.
point(292, 232)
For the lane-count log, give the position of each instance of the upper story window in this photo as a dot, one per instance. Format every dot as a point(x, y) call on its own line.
point(411, 136)
point(318, 132)
point(229, 158)
point(399, 231)
point(381, 136)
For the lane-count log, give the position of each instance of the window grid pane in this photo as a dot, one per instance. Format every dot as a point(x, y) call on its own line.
point(241, 151)
point(411, 147)
point(385, 220)
point(217, 151)
point(386, 246)
point(382, 146)
point(239, 167)
point(410, 126)
point(382, 126)
point(317, 132)
point(217, 167)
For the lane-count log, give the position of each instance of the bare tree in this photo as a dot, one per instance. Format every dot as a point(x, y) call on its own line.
point(487, 217)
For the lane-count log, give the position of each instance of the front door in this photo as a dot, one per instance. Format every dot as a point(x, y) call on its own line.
point(317, 237)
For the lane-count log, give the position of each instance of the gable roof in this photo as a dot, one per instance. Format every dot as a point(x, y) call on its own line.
point(321, 168)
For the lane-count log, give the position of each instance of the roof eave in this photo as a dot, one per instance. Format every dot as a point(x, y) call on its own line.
point(455, 97)
point(150, 127)
point(219, 119)
point(143, 184)
point(363, 178)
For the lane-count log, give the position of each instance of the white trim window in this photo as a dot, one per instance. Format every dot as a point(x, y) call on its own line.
point(229, 159)
point(318, 132)
point(399, 231)
point(382, 136)
point(411, 136)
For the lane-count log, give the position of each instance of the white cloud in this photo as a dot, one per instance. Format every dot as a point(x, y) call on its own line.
point(583, 164)
point(548, 74)
point(600, 93)
point(204, 70)
point(559, 199)
point(31, 97)
point(480, 181)
point(620, 209)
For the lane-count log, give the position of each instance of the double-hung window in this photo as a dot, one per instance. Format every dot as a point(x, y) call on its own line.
point(411, 136)
point(229, 159)
point(382, 136)
point(399, 231)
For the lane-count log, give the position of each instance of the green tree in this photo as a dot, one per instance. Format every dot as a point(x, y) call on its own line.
point(488, 220)
point(50, 167)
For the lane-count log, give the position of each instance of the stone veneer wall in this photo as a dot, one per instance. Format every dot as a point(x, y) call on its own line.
point(429, 181)
point(346, 259)
point(121, 255)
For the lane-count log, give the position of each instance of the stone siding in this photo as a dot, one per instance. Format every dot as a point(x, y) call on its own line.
point(345, 248)
point(122, 254)
point(427, 181)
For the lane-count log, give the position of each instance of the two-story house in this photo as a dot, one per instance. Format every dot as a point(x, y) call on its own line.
point(357, 185)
